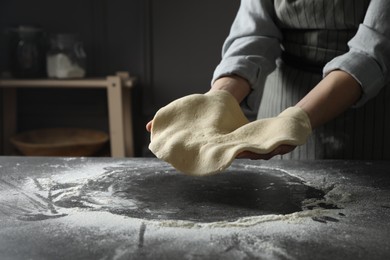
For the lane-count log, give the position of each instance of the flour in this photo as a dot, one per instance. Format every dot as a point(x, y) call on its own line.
point(101, 191)
point(60, 66)
point(94, 193)
point(339, 195)
point(245, 221)
point(71, 210)
point(77, 206)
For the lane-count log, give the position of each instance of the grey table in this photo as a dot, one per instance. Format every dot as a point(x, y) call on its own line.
point(105, 208)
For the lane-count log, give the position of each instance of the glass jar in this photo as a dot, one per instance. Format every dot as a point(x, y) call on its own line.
point(66, 57)
point(26, 52)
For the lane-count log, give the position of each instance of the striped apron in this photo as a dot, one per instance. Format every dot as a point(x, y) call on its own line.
point(314, 32)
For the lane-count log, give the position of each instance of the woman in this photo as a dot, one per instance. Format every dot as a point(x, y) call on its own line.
point(333, 55)
point(322, 56)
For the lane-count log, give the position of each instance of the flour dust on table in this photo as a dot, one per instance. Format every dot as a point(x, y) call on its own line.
point(100, 208)
point(165, 195)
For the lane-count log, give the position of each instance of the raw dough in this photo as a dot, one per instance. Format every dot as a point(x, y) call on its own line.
point(201, 134)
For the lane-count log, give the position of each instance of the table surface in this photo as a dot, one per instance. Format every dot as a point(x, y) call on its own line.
point(141, 208)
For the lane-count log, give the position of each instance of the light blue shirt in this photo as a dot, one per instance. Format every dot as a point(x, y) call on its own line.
point(254, 45)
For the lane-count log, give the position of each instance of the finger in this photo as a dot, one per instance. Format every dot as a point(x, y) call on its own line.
point(149, 126)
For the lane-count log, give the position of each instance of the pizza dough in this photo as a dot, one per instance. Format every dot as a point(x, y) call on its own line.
point(201, 134)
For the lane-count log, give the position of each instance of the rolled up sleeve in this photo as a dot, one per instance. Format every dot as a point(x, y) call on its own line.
point(252, 47)
point(368, 58)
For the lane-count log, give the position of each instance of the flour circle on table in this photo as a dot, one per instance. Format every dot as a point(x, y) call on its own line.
point(167, 196)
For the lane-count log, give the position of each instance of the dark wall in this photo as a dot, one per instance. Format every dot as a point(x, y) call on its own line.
point(184, 45)
point(187, 37)
point(111, 30)
point(173, 47)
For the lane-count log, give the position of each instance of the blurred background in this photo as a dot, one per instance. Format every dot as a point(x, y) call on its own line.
point(170, 46)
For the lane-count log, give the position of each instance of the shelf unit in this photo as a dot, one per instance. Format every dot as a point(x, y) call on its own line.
point(119, 107)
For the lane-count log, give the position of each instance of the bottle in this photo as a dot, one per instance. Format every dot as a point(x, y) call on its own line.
point(66, 57)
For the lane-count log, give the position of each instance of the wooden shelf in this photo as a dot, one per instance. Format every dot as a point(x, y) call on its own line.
point(119, 106)
point(64, 83)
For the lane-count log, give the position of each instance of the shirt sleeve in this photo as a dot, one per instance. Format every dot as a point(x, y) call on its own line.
point(368, 58)
point(252, 47)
